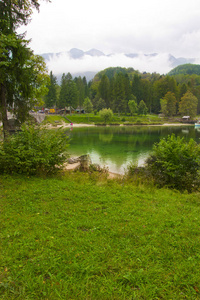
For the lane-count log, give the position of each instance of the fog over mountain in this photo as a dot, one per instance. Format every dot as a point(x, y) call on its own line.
point(88, 63)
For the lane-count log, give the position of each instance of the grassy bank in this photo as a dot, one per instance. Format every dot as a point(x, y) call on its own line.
point(95, 119)
point(81, 237)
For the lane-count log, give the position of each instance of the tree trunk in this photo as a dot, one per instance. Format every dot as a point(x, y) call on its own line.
point(3, 109)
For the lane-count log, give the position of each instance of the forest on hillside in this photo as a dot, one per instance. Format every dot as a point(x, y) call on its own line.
point(115, 87)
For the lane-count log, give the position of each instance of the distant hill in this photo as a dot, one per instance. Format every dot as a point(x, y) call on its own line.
point(110, 72)
point(186, 69)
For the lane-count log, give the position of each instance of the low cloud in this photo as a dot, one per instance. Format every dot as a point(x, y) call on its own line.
point(63, 63)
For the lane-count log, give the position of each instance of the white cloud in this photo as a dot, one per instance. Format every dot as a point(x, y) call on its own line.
point(115, 26)
point(145, 26)
point(64, 63)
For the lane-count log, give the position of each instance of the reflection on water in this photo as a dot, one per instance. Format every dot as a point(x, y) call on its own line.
point(106, 137)
point(117, 147)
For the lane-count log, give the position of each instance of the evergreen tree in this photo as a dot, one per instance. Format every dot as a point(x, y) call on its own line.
point(51, 97)
point(136, 87)
point(103, 89)
point(127, 87)
point(23, 76)
point(86, 85)
point(182, 90)
point(119, 93)
point(88, 105)
point(100, 104)
point(146, 92)
point(63, 92)
point(82, 89)
point(112, 93)
point(68, 92)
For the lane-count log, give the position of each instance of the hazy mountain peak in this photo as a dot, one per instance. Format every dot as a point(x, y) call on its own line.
point(95, 52)
point(76, 53)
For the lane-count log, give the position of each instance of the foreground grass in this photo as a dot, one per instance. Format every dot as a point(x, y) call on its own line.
point(79, 237)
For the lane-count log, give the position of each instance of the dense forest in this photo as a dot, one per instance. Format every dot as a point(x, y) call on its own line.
point(113, 88)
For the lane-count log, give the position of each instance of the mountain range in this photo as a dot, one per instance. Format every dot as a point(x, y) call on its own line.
point(77, 55)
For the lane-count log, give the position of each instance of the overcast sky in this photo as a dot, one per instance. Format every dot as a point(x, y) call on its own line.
point(113, 26)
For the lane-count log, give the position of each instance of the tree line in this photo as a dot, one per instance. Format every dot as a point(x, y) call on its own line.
point(128, 91)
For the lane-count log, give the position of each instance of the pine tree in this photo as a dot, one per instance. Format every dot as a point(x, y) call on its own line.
point(119, 93)
point(103, 90)
point(68, 92)
point(51, 97)
point(22, 75)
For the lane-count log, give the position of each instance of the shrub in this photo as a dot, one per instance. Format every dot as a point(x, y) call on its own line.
point(175, 163)
point(106, 114)
point(33, 151)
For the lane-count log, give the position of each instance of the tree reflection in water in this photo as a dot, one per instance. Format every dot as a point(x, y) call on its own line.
point(117, 147)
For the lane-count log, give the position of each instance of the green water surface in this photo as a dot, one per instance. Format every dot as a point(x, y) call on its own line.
point(116, 147)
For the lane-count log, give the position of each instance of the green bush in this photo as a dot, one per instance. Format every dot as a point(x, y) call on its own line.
point(106, 114)
point(33, 151)
point(175, 163)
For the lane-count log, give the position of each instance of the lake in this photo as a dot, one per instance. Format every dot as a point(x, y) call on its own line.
point(116, 147)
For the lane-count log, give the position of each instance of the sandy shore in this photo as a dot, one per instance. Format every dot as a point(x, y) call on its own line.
point(72, 167)
point(66, 125)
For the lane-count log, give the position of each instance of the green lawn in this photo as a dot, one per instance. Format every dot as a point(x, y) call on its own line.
point(95, 119)
point(78, 236)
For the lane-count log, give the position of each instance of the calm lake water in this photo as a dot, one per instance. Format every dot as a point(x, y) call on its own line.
point(117, 147)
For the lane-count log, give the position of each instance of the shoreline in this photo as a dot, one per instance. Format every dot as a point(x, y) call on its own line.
point(79, 125)
point(75, 166)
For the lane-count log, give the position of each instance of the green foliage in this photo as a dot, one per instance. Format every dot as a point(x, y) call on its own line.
point(115, 86)
point(87, 104)
point(132, 104)
point(82, 88)
point(186, 69)
point(103, 90)
point(95, 118)
point(23, 76)
point(119, 94)
point(113, 71)
point(33, 151)
point(168, 104)
point(160, 87)
point(188, 105)
point(16, 13)
point(142, 108)
point(51, 97)
point(68, 92)
point(100, 104)
point(175, 163)
point(106, 114)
